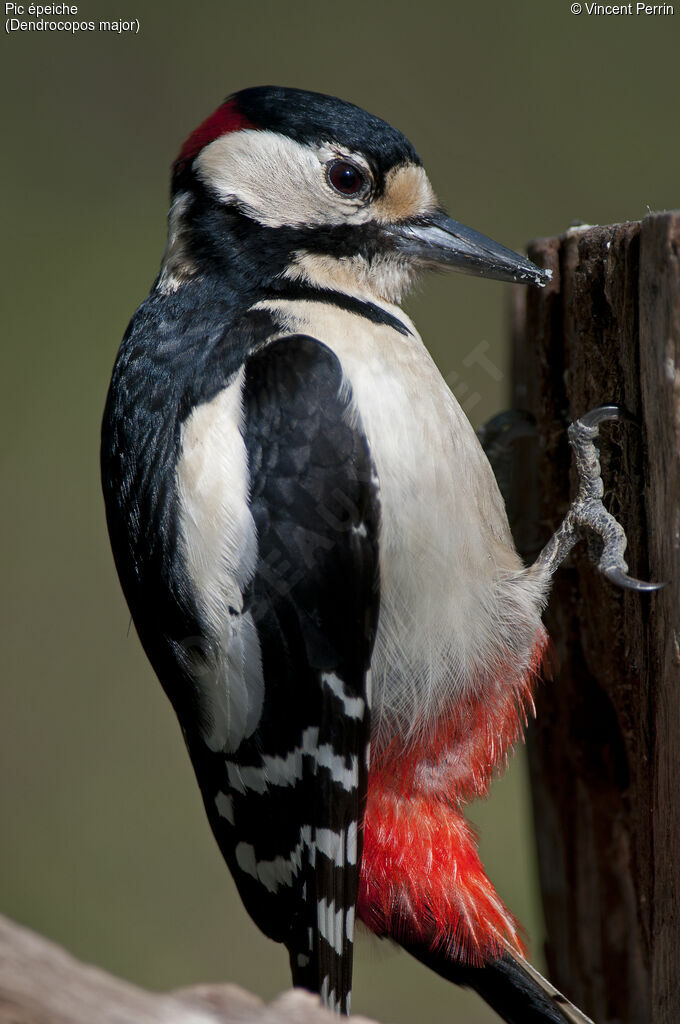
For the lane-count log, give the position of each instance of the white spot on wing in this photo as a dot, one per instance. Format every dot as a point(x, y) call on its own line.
point(286, 771)
point(280, 870)
point(353, 707)
point(242, 778)
point(225, 807)
point(331, 844)
point(275, 770)
point(245, 858)
point(348, 778)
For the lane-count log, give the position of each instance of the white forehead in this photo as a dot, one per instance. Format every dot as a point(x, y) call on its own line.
point(279, 181)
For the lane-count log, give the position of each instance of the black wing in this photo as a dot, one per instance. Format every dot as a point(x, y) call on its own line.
point(287, 806)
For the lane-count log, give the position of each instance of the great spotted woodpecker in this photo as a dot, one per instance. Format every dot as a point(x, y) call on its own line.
point(314, 548)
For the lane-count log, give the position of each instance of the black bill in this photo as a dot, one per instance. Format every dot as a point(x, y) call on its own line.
point(439, 241)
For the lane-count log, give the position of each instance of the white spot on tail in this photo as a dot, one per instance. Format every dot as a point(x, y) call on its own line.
point(328, 998)
point(330, 922)
point(352, 843)
point(349, 924)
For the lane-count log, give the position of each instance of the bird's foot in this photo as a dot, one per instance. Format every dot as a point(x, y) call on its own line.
point(588, 518)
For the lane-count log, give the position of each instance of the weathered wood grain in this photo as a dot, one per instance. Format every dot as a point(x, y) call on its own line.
point(605, 750)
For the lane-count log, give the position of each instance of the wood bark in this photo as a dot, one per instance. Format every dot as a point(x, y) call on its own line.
point(40, 983)
point(605, 748)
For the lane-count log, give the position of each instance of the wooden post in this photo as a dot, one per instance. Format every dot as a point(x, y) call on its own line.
point(605, 750)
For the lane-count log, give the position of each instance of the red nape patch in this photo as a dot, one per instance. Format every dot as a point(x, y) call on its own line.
point(225, 119)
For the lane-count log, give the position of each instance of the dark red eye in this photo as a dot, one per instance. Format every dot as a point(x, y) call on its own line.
point(345, 177)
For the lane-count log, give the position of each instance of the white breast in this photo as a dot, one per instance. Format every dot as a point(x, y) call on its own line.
point(457, 607)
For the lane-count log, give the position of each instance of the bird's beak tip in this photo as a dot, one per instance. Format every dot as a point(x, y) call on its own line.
point(440, 241)
point(540, 277)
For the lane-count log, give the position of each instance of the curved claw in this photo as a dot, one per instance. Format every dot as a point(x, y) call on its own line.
point(587, 514)
point(619, 578)
point(602, 413)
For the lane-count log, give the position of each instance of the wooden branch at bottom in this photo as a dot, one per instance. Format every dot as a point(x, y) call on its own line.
point(40, 983)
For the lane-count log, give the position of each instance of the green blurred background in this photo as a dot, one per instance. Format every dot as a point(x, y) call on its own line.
point(527, 118)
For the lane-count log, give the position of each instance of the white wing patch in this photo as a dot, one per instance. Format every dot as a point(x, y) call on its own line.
point(220, 550)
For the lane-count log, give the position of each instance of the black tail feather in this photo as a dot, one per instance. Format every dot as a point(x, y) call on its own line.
point(510, 985)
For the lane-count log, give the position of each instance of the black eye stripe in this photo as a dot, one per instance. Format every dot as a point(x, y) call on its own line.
point(345, 177)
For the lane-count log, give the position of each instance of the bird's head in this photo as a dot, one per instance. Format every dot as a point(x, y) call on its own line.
point(285, 184)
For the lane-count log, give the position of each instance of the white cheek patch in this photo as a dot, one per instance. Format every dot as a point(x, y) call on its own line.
point(275, 180)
